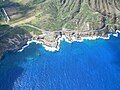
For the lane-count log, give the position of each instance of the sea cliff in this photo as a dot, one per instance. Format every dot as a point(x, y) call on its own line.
point(12, 39)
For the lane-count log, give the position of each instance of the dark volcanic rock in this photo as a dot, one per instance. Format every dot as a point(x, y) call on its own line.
point(13, 39)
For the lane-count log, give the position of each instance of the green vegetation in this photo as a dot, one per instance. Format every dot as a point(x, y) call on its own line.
point(27, 2)
point(38, 1)
point(7, 31)
point(57, 14)
point(4, 27)
point(12, 38)
point(54, 16)
point(70, 25)
point(1, 15)
point(108, 20)
point(31, 29)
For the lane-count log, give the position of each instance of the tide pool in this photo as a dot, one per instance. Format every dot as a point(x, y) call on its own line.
point(88, 65)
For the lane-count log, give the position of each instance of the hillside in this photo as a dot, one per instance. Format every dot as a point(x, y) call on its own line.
point(69, 14)
point(78, 15)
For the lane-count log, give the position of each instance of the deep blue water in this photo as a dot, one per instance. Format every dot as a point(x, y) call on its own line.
point(89, 65)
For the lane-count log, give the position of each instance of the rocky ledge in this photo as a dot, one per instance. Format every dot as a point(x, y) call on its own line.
point(12, 39)
point(51, 39)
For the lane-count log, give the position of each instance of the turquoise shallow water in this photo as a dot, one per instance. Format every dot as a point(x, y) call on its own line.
point(89, 65)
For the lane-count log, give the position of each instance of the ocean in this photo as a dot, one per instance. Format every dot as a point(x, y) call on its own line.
point(87, 65)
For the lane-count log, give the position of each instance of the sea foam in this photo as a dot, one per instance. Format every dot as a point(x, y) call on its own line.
point(53, 49)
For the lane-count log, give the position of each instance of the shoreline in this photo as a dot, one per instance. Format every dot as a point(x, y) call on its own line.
point(63, 37)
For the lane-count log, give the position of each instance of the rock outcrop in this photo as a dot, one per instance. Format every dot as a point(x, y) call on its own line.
point(12, 39)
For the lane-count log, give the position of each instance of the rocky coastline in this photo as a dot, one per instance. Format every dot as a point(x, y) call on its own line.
point(51, 40)
point(18, 44)
point(13, 40)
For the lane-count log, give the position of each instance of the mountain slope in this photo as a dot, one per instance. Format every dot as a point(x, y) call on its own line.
point(82, 15)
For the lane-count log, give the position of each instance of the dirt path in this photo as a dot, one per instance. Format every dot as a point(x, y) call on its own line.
point(33, 27)
point(23, 21)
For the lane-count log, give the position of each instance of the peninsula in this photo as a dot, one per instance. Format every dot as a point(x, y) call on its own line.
point(47, 21)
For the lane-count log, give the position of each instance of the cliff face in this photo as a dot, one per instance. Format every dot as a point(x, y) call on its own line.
point(12, 39)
